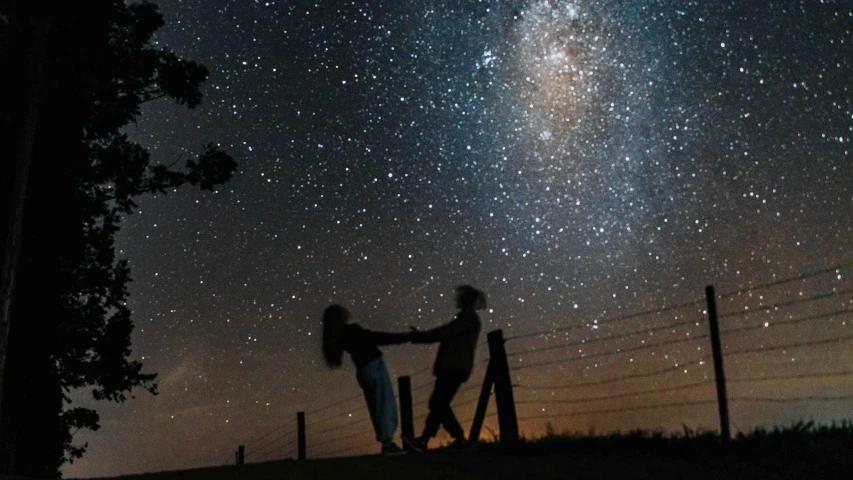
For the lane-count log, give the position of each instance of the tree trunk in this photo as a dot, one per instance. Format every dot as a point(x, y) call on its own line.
point(25, 61)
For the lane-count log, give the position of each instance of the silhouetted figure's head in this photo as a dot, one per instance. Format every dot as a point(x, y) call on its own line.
point(469, 297)
point(334, 319)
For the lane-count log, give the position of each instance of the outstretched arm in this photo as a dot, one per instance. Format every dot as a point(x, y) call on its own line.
point(384, 338)
point(460, 325)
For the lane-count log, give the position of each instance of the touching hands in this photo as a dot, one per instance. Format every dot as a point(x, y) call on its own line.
point(415, 335)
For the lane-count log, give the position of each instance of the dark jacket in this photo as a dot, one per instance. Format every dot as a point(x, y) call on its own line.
point(362, 344)
point(458, 342)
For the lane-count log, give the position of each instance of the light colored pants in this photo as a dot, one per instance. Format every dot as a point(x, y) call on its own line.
point(379, 394)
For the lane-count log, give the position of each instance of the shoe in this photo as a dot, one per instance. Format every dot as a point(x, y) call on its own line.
point(416, 445)
point(391, 448)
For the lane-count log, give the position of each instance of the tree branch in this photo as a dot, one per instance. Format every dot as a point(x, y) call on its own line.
point(151, 99)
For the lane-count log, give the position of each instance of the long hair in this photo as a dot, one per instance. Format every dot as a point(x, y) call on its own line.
point(334, 319)
point(468, 296)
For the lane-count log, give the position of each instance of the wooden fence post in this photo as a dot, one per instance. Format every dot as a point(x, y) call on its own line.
point(407, 424)
point(300, 435)
point(499, 367)
point(241, 455)
point(482, 404)
point(719, 373)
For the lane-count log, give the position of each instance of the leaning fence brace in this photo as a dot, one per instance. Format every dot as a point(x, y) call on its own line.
point(498, 365)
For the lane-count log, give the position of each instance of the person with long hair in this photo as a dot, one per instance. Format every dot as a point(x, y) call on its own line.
point(453, 365)
point(340, 336)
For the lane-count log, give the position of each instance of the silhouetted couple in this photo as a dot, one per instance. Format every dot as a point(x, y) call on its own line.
point(453, 365)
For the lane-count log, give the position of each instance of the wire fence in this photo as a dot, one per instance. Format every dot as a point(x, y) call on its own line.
point(783, 344)
point(792, 323)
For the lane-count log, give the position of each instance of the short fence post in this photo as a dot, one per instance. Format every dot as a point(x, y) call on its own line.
point(719, 373)
point(499, 366)
point(300, 435)
point(407, 424)
point(241, 455)
point(482, 404)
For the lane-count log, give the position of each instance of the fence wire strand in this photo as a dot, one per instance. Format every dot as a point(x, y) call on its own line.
point(610, 354)
point(341, 427)
point(615, 396)
point(794, 321)
point(612, 320)
point(785, 280)
point(269, 433)
point(601, 339)
point(773, 348)
point(309, 414)
point(776, 306)
point(622, 378)
point(810, 398)
point(619, 410)
point(795, 376)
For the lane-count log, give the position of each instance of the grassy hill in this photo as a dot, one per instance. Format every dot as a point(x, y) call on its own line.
point(799, 452)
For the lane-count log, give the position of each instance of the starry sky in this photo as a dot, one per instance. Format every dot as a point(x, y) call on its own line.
point(591, 165)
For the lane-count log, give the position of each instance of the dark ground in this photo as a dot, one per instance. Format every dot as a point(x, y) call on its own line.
point(494, 464)
point(801, 451)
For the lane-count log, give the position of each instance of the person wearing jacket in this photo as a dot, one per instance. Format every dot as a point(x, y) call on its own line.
point(453, 365)
point(371, 373)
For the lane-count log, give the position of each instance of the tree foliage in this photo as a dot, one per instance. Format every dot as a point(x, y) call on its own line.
point(70, 326)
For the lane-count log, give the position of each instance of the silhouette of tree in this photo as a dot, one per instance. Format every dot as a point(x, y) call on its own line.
point(69, 326)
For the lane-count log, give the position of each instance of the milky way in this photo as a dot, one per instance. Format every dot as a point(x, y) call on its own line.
point(579, 161)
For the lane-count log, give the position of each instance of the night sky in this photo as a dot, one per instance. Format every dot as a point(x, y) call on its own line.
point(579, 161)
